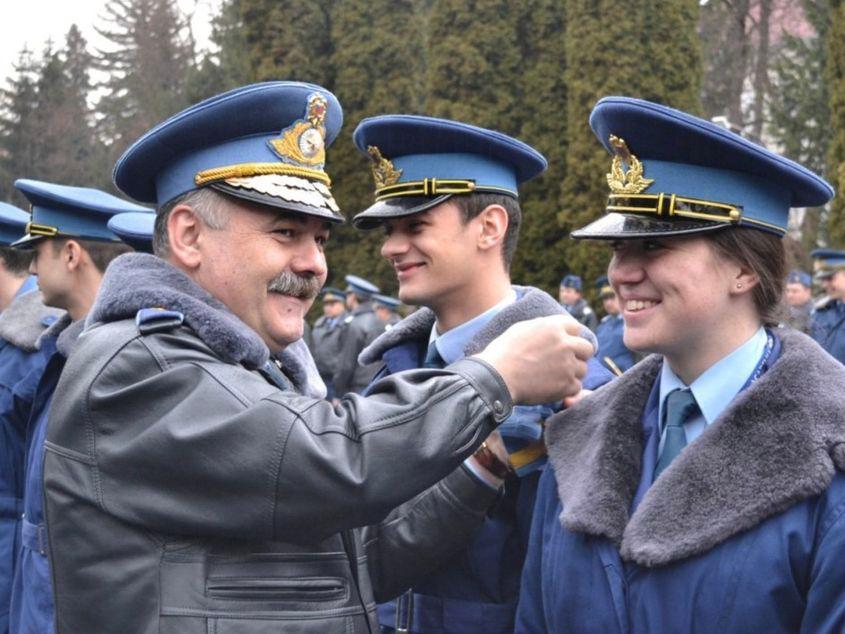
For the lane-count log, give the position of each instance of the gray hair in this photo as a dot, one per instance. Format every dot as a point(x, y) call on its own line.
point(209, 205)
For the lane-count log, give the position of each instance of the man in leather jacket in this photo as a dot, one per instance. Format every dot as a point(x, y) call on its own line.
point(195, 480)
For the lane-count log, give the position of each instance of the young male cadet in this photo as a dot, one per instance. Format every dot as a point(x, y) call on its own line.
point(71, 246)
point(574, 303)
point(196, 483)
point(799, 300)
point(386, 308)
point(446, 197)
point(827, 323)
point(612, 350)
point(22, 321)
point(361, 327)
point(327, 335)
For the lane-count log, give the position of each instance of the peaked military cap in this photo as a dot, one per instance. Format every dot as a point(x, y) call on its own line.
point(419, 162)
point(360, 286)
point(827, 262)
point(13, 221)
point(264, 143)
point(673, 173)
point(391, 303)
point(605, 289)
point(66, 211)
point(571, 281)
point(799, 277)
point(332, 294)
point(135, 228)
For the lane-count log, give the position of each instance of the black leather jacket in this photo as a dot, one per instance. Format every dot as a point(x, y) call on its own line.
point(188, 493)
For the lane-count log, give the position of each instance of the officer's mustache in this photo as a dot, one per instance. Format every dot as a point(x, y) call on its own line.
point(299, 286)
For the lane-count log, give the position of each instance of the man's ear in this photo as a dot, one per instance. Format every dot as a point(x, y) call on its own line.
point(71, 254)
point(493, 224)
point(184, 229)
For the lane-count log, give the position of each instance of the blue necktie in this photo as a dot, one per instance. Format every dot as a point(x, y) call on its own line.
point(433, 358)
point(680, 407)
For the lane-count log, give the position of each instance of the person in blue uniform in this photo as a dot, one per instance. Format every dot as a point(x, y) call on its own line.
point(827, 323)
point(799, 300)
point(612, 351)
point(22, 321)
point(704, 490)
point(327, 336)
point(446, 199)
point(575, 304)
point(360, 328)
point(387, 310)
point(72, 246)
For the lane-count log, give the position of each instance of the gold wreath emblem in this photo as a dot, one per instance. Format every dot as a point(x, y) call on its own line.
point(384, 174)
point(620, 181)
point(304, 141)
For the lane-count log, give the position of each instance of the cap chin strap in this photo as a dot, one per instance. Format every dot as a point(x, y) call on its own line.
point(35, 229)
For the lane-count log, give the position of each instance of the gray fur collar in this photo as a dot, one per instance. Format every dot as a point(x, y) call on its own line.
point(22, 323)
point(66, 332)
point(531, 302)
point(779, 442)
point(139, 280)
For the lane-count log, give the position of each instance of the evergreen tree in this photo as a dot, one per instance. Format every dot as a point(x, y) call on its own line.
point(648, 50)
point(19, 126)
point(836, 88)
point(148, 64)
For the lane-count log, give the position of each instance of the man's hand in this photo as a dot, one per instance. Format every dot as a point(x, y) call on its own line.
point(541, 360)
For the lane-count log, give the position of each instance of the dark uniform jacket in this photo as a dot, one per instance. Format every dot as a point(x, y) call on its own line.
point(582, 312)
point(827, 326)
point(361, 327)
point(743, 532)
point(325, 344)
point(191, 487)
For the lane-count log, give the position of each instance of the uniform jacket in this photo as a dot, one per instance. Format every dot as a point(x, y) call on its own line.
point(326, 342)
point(361, 327)
point(582, 312)
point(743, 532)
point(192, 487)
point(32, 592)
point(827, 326)
point(609, 333)
point(21, 365)
point(476, 592)
point(799, 316)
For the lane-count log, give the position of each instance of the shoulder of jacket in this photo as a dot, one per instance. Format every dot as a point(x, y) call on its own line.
point(151, 320)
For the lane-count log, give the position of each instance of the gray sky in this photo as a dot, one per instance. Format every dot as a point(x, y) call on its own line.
point(33, 22)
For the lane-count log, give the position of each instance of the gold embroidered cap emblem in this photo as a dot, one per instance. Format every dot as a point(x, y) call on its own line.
point(384, 174)
point(304, 141)
point(620, 181)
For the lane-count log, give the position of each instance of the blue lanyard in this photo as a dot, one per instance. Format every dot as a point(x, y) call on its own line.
point(763, 364)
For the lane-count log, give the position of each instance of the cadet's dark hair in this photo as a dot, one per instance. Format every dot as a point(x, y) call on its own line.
point(16, 261)
point(763, 253)
point(100, 252)
point(473, 204)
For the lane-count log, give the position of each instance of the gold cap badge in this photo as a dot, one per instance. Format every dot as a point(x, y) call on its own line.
point(620, 181)
point(384, 174)
point(304, 141)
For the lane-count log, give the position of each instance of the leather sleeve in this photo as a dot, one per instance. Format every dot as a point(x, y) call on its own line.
point(421, 535)
point(180, 442)
point(351, 344)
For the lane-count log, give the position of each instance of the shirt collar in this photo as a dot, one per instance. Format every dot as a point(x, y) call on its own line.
point(721, 382)
point(451, 344)
point(30, 284)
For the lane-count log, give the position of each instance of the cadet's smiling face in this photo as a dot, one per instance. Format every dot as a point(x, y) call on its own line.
point(241, 263)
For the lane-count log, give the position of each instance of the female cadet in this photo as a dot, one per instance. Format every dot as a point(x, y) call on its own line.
point(703, 491)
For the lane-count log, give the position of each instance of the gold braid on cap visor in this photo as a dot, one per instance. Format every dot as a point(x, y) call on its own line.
point(34, 229)
point(245, 170)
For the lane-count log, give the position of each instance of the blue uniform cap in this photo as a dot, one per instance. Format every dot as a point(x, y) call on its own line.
point(332, 294)
point(360, 286)
point(265, 143)
point(66, 211)
point(13, 221)
point(419, 162)
point(391, 303)
point(676, 174)
point(605, 289)
point(571, 281)
point(827, 262)
point(800, 277)
point(135, 228)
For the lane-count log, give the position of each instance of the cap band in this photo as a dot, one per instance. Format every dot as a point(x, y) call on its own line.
point(245, 170)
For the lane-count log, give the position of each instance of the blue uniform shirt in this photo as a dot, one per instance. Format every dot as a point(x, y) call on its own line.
point(827, 327)
point(609, 333)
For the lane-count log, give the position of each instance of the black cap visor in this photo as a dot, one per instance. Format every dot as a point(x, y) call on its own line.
point(616, 226)
point(372, 217)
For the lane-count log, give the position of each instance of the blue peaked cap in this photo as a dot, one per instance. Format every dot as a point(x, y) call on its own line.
point(675, 173)
point(332, 294)
point(264, 143)
point(571, 281)
point(419, 162)
point(13, 221)
point(828, 261)
point(66, 211)
point(359, 285)
point(135, 228)
point(800, 277)
point(391, 303)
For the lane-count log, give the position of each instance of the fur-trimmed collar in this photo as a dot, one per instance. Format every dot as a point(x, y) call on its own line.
point(139, 280)
point(531, 302)
point(777, 443)
point(66, 332)
point(23, 321)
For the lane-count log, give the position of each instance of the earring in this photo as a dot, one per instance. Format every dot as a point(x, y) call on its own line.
point(739, 284)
